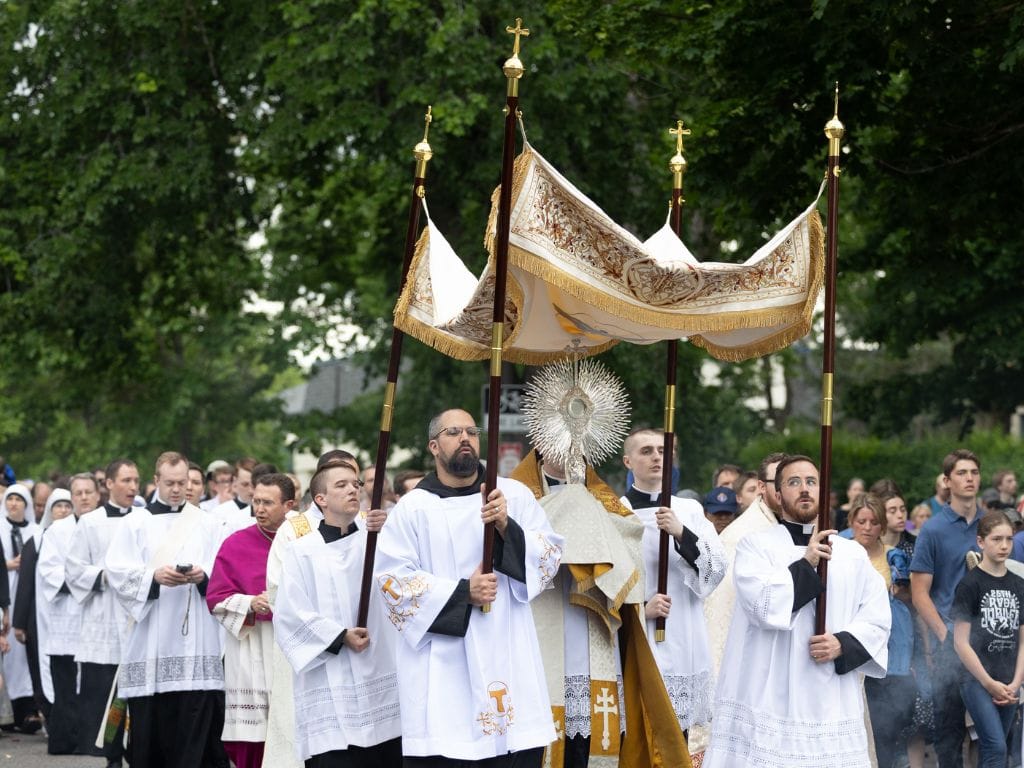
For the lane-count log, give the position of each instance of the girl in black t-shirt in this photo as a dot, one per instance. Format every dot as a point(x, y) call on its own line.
point(987, 636)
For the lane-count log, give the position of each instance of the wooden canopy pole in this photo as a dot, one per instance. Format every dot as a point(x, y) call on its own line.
point(678, 167)
point(834, 132)
point(423, 153)
point(513, 69)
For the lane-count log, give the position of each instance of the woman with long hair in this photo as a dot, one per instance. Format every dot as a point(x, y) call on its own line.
point(890, 699)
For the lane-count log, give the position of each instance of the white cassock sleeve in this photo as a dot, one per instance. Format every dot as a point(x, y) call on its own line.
point(127, 572)
point(710, 563)
point(764, 589)
point(299, 628)
point(540, 550)
point(50, 568)
point(871, 621)
point(232, 613)
point(413, 596)
point(80, 570)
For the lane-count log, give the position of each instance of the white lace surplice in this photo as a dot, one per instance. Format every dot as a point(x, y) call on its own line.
point(175, 644)
point(104, 621)
point(484, 694)
point(683, 657)
point(344, 699)
point(775, 707)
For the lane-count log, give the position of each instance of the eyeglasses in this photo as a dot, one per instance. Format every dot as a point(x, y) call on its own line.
point(456, 431)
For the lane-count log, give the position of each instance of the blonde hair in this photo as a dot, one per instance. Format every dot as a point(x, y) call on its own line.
point(872, 503)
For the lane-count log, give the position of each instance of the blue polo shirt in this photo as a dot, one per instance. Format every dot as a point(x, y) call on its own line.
point(940, 550)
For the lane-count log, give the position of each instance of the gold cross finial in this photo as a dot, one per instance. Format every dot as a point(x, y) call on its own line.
point(679, 132)
point(517, 30)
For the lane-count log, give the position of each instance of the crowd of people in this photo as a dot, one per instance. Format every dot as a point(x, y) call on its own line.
point(221, 614)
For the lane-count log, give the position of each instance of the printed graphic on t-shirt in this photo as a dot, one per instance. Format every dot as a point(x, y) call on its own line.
point(1000, 617)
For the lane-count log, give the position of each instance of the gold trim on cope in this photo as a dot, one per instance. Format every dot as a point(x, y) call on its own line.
point(826, 399)
point(670, 408)
point(497, 336)
point(388, 410)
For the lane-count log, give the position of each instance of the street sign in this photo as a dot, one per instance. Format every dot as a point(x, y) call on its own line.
point(510, 417)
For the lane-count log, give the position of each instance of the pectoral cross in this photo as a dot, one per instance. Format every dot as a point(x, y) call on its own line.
point(517, 30)
point(679, 132)
point(605, 705)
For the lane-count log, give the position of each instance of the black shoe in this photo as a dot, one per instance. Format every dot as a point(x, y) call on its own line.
point(114, 764)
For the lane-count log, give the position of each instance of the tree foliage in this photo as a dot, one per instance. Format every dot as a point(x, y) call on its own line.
point(162, 165)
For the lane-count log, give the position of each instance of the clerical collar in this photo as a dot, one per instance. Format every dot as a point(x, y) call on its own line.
point(159, 507)
point(17, 524)
point(113, 510)
point(800, 532)
point(239, 503)
point(642, 499)
point(552, 481)
point(432, 484)
point(332, 533)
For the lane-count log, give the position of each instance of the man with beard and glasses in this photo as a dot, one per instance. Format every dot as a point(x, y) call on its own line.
point(806, 709)
point(471, 683)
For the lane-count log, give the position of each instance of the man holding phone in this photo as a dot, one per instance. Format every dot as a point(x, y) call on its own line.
point(171, 672)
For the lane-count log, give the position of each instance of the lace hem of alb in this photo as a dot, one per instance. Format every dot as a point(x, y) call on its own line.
point(577, 705)
point(691, 696)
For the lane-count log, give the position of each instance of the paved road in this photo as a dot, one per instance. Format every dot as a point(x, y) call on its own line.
point(19, 751)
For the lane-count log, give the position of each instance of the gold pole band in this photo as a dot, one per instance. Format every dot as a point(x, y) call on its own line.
point(497, 337)
point(670, 408)
point(826, 399)
point(388, 410)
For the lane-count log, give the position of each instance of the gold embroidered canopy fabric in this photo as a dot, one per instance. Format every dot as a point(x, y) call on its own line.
point(576, 276)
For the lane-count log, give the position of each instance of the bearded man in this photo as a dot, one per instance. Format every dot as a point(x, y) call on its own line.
point(471, 683)
point(806, 709)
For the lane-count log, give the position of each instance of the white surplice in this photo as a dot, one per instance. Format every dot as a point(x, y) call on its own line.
point(775, 706)
point(719, 605)
point(344, 699)
point(175, 644)
point(16, 672)
point(484, 694)
point(58, 614)
point(683, 657)
point(233, 517)
point(104, 621)
point(279, 750)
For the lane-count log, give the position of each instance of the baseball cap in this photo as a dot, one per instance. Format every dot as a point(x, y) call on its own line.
point(720, 499)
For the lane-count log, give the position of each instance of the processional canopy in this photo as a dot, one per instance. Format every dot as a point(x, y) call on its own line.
point(578, 279)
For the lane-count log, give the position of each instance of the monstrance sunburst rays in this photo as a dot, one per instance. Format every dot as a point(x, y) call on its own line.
point(576, 411)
